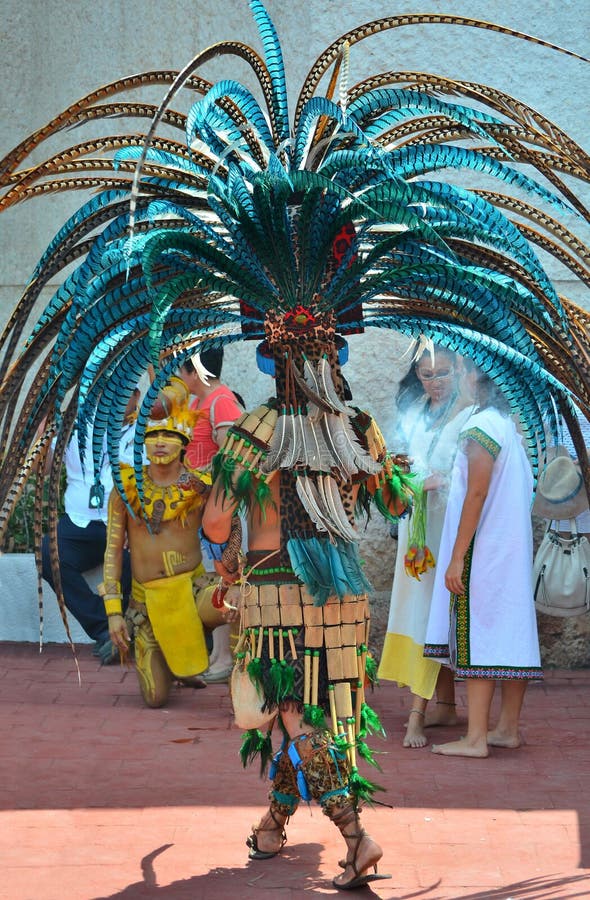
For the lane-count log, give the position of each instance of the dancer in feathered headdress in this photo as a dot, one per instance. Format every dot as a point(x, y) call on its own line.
point(292, 233)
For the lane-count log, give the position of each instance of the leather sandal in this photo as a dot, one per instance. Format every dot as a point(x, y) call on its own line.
point(252, 841)
point(359, 880)
point(343, 820)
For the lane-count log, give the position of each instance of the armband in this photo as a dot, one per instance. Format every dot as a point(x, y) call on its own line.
point(112, 597)
point(214, 551)
point(229, 552)
point(113, 606)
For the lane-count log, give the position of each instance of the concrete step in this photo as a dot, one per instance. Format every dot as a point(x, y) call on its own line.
point(19, 603)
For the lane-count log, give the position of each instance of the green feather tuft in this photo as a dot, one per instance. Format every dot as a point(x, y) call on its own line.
point(243, 485)
point(255, 671)
point(361, 788)
point(315, 716)
point(380, 504)
point(227, 466)
point(370, 722)
point(363, 501)
point(365, 752)
point(276, 681)
point(341, 744)
point(287, 680)
point(263, 497)
point(255, 743)
point(371, 669)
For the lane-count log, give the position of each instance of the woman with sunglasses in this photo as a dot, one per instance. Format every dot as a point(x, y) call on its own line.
point(431, 412)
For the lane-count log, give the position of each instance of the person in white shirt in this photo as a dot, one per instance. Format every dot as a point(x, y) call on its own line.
point(82, 536)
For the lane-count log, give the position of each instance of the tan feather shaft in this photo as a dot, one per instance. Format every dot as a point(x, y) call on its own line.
point(291, 446)
point(331, 53)
point(327, 389)
point(334, 511)
point(334, 500)
point(308, 496)
point(331, 426)
point(275, 448)
point(362, 459)
point(311, 395)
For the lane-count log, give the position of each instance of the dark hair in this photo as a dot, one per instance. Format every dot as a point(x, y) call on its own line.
point(212, 359)
point(488, 392)
point(410, 387)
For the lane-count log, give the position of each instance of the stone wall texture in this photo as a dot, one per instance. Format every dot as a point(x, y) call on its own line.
point(55, 52)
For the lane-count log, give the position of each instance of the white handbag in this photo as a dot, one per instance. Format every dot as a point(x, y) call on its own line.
point(561, 574)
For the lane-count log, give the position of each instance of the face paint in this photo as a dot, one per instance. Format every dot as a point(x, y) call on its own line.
point(162, 449)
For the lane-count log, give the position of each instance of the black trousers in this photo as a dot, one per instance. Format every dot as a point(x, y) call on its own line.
point(81, 549)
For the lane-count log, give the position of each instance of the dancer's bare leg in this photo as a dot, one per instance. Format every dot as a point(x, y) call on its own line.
point(363, 853)
point(269, 831)
point(414, 736)
point(444, 711)
point(479, 699)
point(506, 733)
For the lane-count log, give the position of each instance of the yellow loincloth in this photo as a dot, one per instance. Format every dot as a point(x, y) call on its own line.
point(175, 621)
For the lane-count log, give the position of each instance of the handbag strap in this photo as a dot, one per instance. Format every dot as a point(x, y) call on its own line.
point(573, 527)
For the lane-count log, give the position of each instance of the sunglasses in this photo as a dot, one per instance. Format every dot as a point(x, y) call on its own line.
point(435, 376)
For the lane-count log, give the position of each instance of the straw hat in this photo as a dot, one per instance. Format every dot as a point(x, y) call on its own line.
point(560, 489)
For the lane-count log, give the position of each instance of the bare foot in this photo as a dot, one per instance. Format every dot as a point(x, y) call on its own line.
point(441, 714)
point(415, 736)
point(361, 857)
point(501, 739)
point(478, 749)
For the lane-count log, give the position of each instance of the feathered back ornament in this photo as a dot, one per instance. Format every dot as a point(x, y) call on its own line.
point(194, 239)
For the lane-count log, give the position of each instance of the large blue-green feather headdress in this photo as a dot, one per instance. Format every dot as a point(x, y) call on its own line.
point(343, 210)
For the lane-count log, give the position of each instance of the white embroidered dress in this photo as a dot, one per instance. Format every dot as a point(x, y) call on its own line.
point(432, 450)
point(491, 630)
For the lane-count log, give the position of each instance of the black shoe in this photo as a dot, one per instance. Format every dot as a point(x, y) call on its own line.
point(107, 653)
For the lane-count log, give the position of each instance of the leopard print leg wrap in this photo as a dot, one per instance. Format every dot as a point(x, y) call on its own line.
point(325, 769)
point(284, 796)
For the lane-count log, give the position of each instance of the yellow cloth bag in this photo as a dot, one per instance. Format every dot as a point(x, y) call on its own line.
point(175, 621)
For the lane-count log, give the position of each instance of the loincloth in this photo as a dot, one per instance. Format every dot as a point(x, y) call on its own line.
point(169, 604)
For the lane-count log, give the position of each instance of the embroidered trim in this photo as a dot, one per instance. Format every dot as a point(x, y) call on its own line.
point(460, 607)
point(501, 673)
point(483, 439)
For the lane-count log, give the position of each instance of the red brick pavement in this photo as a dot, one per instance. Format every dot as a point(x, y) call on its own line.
point(101, 798)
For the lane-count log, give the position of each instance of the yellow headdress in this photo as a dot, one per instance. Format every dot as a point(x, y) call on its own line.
point(173, 412)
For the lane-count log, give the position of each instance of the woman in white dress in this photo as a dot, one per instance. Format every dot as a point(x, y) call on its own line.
point(485, 563)
point(432, 413)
